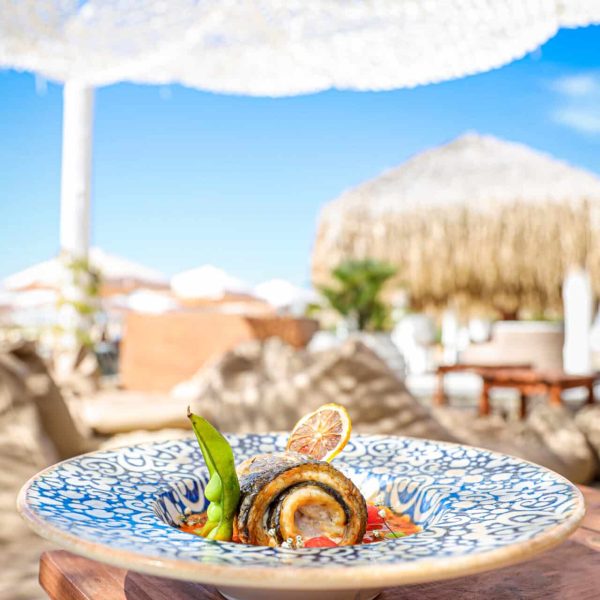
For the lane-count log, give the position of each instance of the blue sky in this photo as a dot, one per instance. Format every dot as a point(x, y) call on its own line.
point(183, 178)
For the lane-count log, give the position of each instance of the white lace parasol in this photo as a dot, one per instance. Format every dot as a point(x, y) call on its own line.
point(277, 47)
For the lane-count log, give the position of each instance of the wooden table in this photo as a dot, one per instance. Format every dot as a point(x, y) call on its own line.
point(440, 398)
point(530, 382)
point(569, 572)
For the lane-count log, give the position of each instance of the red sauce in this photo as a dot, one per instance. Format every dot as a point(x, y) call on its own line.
point(193, 523)
point(393, 525)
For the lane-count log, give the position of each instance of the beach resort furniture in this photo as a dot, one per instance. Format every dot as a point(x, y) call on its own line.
point(538, 343)
point(160, 351)
point(65, 575)
point(440, 398)
point(530, 382)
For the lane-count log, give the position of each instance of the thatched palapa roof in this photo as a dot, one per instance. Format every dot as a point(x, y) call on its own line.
point(479, 220)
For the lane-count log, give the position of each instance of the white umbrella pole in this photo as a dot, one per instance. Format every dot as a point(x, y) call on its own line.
point(78, 114)
point(578, 307)
point(450, 327)
point(74, 320)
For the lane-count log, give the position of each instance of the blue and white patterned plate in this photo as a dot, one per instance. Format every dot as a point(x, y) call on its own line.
point(478, 509)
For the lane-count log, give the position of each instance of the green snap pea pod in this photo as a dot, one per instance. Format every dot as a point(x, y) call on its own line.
point(223, 488)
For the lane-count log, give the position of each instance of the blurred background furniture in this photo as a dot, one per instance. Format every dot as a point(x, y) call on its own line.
point(530, 382)
point(539, 343)
point(160, 351)
point(440, 399)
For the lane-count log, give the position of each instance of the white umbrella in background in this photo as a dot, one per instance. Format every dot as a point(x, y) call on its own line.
point(115, 271)
point(144, 301)
point(6, 298)
point(578, 302)
point(282, 295)
point(44, 275)
point(207, 282)
point(34, 299)
point(36, 290)
point(36, 308)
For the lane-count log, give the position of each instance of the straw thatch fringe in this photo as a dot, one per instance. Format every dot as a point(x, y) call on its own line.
point(515, 257)
point(496, 254)
point(479, 222)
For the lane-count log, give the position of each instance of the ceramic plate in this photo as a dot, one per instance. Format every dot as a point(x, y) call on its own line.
point(478, 509)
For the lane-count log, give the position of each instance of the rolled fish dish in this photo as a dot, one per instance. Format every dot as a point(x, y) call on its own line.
point(288, 499)
point(286, 495)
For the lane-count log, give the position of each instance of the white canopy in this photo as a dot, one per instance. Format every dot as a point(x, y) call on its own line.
point(144, 301)
point(269, 47)
point(6, 298)
point(29, 299)
point(113, 269)
point(207, 282)
point(280, 293)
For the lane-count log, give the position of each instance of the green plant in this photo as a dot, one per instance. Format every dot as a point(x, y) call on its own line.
point(357, 293)
point(78, 302)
